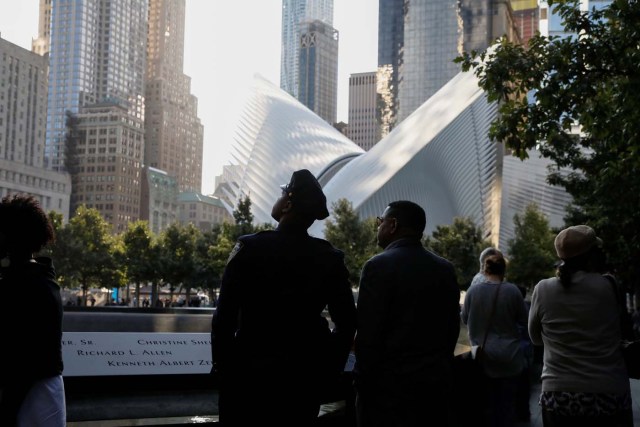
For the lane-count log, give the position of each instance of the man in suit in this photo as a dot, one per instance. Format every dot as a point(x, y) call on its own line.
point(408, 326)
point(271, 345)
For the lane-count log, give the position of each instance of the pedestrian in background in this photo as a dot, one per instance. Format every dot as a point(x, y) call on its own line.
point(480, 277)
point(408, 326)
point(576, 317)
point(31, 355)
point(493, 311)
point(271, 346)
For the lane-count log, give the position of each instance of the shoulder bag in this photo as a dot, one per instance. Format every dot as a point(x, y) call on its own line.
point(470, 362)
point(470, 381)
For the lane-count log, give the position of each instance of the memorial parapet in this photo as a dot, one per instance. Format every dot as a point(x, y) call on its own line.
point(124, 363)
point(135, 353)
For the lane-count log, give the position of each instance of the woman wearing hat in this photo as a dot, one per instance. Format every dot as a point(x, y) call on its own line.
point(575, 316)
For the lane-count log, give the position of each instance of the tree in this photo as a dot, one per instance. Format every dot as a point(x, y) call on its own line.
point(57, 223)
point(590, 81)
point(243, 217)
point(355, 237)
point(531, 251)
point(62, 251)
point(212, 251)
point(137, 258)
point(461, 244)
point(88, 251)
point(243, 222)
point(178, 247)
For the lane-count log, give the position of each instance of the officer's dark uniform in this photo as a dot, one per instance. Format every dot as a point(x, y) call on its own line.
point(271, 346)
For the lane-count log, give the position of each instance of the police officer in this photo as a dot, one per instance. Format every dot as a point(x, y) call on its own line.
point(271, 346)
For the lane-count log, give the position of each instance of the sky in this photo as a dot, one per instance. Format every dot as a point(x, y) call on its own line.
point(226, 43)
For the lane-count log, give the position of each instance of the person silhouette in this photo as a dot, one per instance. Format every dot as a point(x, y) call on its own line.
point(408, 326)
point(31, 366)
point(576, 317)
point(271, 345)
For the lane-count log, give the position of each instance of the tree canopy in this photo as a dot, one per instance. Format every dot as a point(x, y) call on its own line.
point(576, 100)
point(354, 236)
point(84, 252)
point(531, 252)
point(461, 244)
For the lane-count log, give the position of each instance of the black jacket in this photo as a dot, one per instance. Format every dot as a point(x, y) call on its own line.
point(30, 330)
point(408, 317)
point(270, 312)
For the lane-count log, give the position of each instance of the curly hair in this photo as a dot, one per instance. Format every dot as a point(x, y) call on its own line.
point(25, 226)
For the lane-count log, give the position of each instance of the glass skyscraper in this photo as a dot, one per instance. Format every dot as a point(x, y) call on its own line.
point(551, 22)
point(418, 41)
point(97, 53)
point(96, 85)
point(173, 131)
point(390, 50)
point(295, 12)
point(318, 72)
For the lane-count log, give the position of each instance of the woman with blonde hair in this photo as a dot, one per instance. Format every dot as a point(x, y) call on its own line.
point(492, 311)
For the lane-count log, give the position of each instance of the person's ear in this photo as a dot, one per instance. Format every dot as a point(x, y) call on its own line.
point(288, 206)
point(393, 227)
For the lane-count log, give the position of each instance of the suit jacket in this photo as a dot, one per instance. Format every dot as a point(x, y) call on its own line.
point(408, 318)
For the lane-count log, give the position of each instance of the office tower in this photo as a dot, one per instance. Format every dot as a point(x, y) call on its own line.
point(419, 42)
point(526, 18)
point(174, 133)
point(202, 211)
point(23, 115)
point(591, 4)
point(40, 45)
point(105, 162)
point(363, 127)
point(551, 22)
point(96, 88)
point(159, 199)
point(390, 50)
point(318, 69)
point(295, 12)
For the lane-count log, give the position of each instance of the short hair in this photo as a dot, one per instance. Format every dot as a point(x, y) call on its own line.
point(495, 264)
point(409, 215)
point(25, 225)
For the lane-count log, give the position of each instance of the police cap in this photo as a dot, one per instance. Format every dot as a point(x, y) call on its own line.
point(305, 192)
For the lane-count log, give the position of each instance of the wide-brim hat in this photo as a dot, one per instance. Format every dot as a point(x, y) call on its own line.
point(576, 240)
